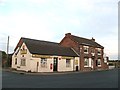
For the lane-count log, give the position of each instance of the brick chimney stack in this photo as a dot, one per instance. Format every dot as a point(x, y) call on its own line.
point(68, 34)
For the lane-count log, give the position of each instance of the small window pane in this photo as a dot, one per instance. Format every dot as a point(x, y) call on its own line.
point(86, 62)
point(86, 49)
point(99, 62)
point(44, 62)
point(23, 62)
point(68, 63)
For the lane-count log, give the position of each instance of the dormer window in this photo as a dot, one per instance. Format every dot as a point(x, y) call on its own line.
point(86, 49)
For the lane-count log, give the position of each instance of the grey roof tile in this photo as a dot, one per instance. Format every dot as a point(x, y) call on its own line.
point(85, 41)
point(47, 48)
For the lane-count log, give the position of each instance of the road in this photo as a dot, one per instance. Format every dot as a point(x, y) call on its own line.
point(95, 79)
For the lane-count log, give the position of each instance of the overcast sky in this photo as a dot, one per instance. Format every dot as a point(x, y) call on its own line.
point(50, 19)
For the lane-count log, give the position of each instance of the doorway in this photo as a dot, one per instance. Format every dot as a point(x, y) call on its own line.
point(76, 68)
point(55, 64)
point(37, 66)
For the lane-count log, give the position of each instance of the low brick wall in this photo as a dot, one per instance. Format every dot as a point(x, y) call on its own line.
point(111, 67)
point(87, 69)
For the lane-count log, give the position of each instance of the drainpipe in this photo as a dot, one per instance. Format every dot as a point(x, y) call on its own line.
point(79, 57)
point(74, 59)
point(73, 63)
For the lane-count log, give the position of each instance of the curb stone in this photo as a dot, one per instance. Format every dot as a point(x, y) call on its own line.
point(50, 73)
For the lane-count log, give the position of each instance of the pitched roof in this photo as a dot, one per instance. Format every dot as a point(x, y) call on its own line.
point(85, 41)
point(47, 48)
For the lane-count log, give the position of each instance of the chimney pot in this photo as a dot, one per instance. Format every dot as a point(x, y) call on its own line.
point(93, 39)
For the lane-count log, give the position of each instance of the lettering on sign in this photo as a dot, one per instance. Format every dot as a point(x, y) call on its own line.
point(40, 56)
point(67, 57)
point(23, 50)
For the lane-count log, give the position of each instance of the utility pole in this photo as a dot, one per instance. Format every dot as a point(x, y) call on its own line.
point(7, 64)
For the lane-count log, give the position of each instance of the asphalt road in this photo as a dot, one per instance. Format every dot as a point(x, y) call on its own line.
point(97, 79)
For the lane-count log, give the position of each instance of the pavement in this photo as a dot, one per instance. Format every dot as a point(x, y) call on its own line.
point(48, 73)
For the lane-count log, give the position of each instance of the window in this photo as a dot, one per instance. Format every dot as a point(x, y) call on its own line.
point(99, 51)
point(86, 49)
point(99, 62)
point(68, 63)
point(105, 59)
point(15, 61)
point(23, 62)
point(44, 62)
point(86, 62)
point(23, 47)
point(92, 50)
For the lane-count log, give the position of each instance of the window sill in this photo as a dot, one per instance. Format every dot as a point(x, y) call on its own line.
point(86, 66)
point(99, 65)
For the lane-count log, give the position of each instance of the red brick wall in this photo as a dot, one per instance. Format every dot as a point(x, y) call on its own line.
point(67, 41)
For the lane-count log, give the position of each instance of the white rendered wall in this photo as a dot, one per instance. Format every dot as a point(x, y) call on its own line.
point(19, 56)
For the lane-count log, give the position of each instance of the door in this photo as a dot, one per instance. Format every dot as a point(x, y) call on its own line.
point(37, 66)
point(76, 68)
point(55, 62)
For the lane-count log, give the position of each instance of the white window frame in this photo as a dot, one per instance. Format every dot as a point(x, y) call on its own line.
point(99, 51)
point(87, 49)
point(86, 60)
point(43, 62)
point(23, 62)
point(99, 62)
point(68, 62)
point(105, 60)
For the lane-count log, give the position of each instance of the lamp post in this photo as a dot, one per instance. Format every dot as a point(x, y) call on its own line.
point(7, 63)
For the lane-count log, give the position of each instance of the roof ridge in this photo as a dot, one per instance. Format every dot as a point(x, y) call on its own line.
point(81, 37)
point(39, 40)
point(84, 41)
point(47, 48)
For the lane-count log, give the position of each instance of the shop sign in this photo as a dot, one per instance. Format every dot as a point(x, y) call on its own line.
point(40, 56)
point(67, 57)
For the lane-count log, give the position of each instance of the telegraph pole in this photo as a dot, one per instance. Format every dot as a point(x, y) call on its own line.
point(7, 63)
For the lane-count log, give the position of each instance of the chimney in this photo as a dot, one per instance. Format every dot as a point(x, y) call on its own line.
point(68, 34)
point(93, 39)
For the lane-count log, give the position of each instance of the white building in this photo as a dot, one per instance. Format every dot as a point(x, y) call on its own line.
point(43, 56)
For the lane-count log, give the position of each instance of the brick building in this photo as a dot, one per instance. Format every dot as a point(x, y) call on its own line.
point(73, 53)
point(90, 52)
point(43, 56)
